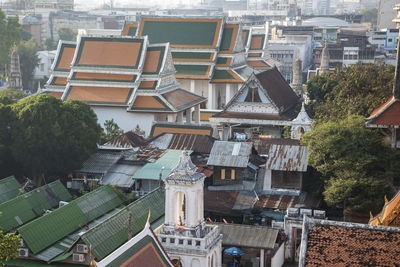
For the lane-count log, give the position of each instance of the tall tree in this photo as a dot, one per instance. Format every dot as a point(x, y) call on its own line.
point(52, 137)
point(28, 60)
point(353, 161)
point(353, 90)
point(10, 32)
point(66, 34)
point(8, 246)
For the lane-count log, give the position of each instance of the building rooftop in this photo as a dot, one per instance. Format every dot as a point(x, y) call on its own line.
point(9, 188)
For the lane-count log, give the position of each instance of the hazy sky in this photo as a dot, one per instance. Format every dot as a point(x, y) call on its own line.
point(90, 4)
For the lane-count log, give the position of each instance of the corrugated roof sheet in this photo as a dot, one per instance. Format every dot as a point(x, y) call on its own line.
point(230, 154)
point(121, 175)
point(263, 145)
point(126, 140)
point(287, 158)
point(112, 233)
point(9, 188)
point(248, 236)
point(195, 142)
point(48, 229)
point(151, 171)
point(100, 162)
point(28, 206)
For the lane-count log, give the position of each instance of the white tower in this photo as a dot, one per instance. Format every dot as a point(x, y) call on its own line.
point(185, 236)
point(301, 124)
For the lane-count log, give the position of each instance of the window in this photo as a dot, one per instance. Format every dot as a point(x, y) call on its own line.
point(41, 67)
point(180, 241)
point(233, 174)
point(172, 240)
point(189, 242)
point(198, 243)
point(222, 174)
point(163, 239)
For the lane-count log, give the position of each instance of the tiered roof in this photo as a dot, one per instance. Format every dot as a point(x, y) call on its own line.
point(28, 206)
point(60, 69)
point(125, 71)
point(265, 96)
point(256, 52)
point(202, 48)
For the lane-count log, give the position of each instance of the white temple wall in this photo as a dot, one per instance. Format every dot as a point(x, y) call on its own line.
point(127, 121)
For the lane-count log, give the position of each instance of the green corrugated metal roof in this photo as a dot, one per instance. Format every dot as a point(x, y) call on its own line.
point(28, 206)
point(168, 160)
point(32, 263)
point(48, 229)
point(112, 233)
point(9, 188)
point(226, 39)
point(190, 55)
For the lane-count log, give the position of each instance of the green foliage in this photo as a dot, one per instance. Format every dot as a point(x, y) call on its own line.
point(52, 137)
point(8, 246)
point(369, 15)
point(111, 131)
point(12, 94)
point(353, 90)
point(125, 197)
point(50, 45)
point(347, 150)
point(28, 61)
point(67, 34)
point(10, 32)
point(286, 132)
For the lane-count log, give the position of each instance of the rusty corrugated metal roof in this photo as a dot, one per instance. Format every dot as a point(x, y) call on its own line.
point(287, 158)
point(126, 140)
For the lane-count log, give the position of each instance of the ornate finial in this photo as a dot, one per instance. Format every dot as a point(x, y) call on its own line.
point(386, 200)
point(370, 216)
point(148, 217)
point(92, 261)
point(379, 221)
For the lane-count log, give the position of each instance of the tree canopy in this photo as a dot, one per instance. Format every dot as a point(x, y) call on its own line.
point(66, 34)
point(369, 15)
point(49, 136)
point(357, 167)
point(9, 244)
point(10, 32)
point(28, 58)
point(354, 90)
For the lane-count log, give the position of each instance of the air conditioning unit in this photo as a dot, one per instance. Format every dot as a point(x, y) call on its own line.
point(23, 252)
point(62, 203)
point(78, 257)
point(81, 248)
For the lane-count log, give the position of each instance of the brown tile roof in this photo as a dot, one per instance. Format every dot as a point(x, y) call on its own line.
point(278, 89)
point(182, 99)
point(147, 84)
point(257, 42)
point(347, 244)
point(59, 81)
point(105, 52)
point(388, 114)
point(255, 54)
point(100, 95)
point(104, 76)
point(160, 128)
point(148, 102)
point(65, 58)
point(258, 63)
point(152, 61)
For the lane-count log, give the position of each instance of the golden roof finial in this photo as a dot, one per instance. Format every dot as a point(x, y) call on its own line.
point(148, 217)
point(370, 216)
point(386, 200)
point(92, 261)
point(379, 221)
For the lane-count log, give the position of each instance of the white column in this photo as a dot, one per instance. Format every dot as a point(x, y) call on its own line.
point(192, 85)
point(191, 209)
point(171, 117)
point(189, 115)
point(262, 258)
point(210, 104)
point(179, 117)
point(227, 93)
point(197, 114)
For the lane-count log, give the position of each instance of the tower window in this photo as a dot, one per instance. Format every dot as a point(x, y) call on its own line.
point(233, 173)
point(222, 174)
